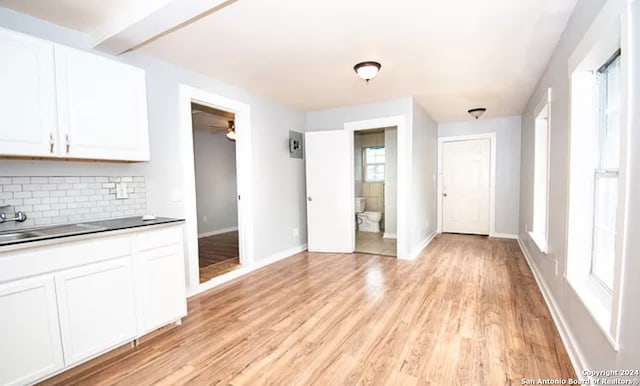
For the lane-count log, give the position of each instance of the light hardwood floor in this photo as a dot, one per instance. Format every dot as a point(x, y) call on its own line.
point(218, 254)
point(467, 312)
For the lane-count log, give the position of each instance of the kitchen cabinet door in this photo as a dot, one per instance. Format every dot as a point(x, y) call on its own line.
point(30, 345)
point(102, 107)
point(163, 287)
point(97, 308)
point(28, 119)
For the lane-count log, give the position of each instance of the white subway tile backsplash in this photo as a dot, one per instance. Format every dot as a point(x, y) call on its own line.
point(59, 200)
point(20, 180)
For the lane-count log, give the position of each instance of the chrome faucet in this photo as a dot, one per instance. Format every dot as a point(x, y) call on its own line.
point(19, 216)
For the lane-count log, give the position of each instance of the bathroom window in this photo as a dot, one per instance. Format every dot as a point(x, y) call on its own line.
point(373, 164)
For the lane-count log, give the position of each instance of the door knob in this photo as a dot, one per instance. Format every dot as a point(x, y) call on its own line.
point(309, 198)
point(444, 194)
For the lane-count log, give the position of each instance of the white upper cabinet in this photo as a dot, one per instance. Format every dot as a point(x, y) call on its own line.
point(56, 101)
point(28, 122)
point(102, 107)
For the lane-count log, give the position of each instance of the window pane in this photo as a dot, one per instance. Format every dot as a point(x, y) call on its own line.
point(610, 119)
point(374, 164)
point(604, 227)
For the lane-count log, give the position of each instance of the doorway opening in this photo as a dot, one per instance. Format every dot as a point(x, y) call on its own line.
point(214, 151)
point(375, 190)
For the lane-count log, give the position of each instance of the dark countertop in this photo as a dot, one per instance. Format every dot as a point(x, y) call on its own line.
point(84, 228)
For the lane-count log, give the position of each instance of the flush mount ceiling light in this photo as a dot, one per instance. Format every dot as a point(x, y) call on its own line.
point(477, 112)
point(367, 70)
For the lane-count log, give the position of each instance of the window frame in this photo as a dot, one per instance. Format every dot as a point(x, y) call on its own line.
point(365, 164)
point(601, 304)
point(541, 236)
point(601, 171)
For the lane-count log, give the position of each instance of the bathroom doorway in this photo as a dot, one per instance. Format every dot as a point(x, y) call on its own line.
point(214, 150)
point(375, 187)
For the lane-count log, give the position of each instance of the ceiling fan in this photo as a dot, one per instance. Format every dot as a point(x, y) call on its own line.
point(229, 128)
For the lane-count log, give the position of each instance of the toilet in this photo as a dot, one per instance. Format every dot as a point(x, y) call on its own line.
point(366, 221)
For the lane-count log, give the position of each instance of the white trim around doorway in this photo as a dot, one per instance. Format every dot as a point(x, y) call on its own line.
point(492, 183)
point(242, 111)
point(403, 177)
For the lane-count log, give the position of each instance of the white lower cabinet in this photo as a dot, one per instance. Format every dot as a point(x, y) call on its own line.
point(63, 304)
point(97, 308)
point(162, 287)
point(30, 346)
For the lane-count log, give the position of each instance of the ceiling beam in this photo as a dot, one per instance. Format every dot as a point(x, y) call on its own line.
point(138, 27)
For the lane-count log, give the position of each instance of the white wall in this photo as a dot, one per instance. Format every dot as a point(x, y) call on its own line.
point(587, 342)
point(334, 119)
point(278, 179)
point(391, 181)
point(420, 146)
point(216, 186)
point(422, 195)
point(508, 130)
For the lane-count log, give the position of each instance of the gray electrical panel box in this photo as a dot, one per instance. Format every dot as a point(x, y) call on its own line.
point(295, 144)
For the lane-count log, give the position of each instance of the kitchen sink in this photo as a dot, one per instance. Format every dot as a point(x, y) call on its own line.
point(67, 229)
point(17, 235)
point(47, 232)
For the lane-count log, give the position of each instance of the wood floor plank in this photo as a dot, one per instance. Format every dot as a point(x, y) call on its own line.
point(466, 312)
point(218, 254)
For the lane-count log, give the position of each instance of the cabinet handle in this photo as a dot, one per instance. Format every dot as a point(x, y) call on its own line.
point(51, 143)
point(67, 142)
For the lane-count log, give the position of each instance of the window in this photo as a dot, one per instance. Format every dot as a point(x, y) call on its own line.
point(605, 174)
point(596, 187)
point(541, 175)
point(373, 164)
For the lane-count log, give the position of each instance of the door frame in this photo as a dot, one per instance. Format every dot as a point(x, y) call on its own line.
point(403, 177)
point(242, 111)
point(492, 175)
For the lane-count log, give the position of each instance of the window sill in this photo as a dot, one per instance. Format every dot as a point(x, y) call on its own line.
point(540, 241)
point(597, 302)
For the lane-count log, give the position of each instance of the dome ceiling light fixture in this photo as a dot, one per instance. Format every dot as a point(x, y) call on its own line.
point(367, 70)
point(476, 112)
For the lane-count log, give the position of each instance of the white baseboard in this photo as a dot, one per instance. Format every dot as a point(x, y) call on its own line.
point(389, 235)
point(575, 355)
point(414, 254)
point(279, 256)
point(504, 236)
point(236, 273)
point(217, 232)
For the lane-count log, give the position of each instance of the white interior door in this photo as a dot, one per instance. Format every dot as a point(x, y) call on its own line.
point(466, 179)
point(330, 216)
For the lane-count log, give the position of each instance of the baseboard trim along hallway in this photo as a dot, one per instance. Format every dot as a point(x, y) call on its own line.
point(573, 350)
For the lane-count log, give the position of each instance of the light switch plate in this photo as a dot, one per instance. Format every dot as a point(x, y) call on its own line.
point(121, 191)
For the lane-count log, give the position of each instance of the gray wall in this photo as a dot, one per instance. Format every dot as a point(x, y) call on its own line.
point(216, 183)
point(391, 181)
point(279, 181)
point(590, 343)
point(507, 131)
point(422, 195)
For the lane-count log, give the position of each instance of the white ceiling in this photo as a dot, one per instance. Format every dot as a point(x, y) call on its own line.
point(451, 54)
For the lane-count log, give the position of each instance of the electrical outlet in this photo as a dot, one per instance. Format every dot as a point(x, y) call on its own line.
point(296, 232)
point(121, 191)
point(205, 219)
